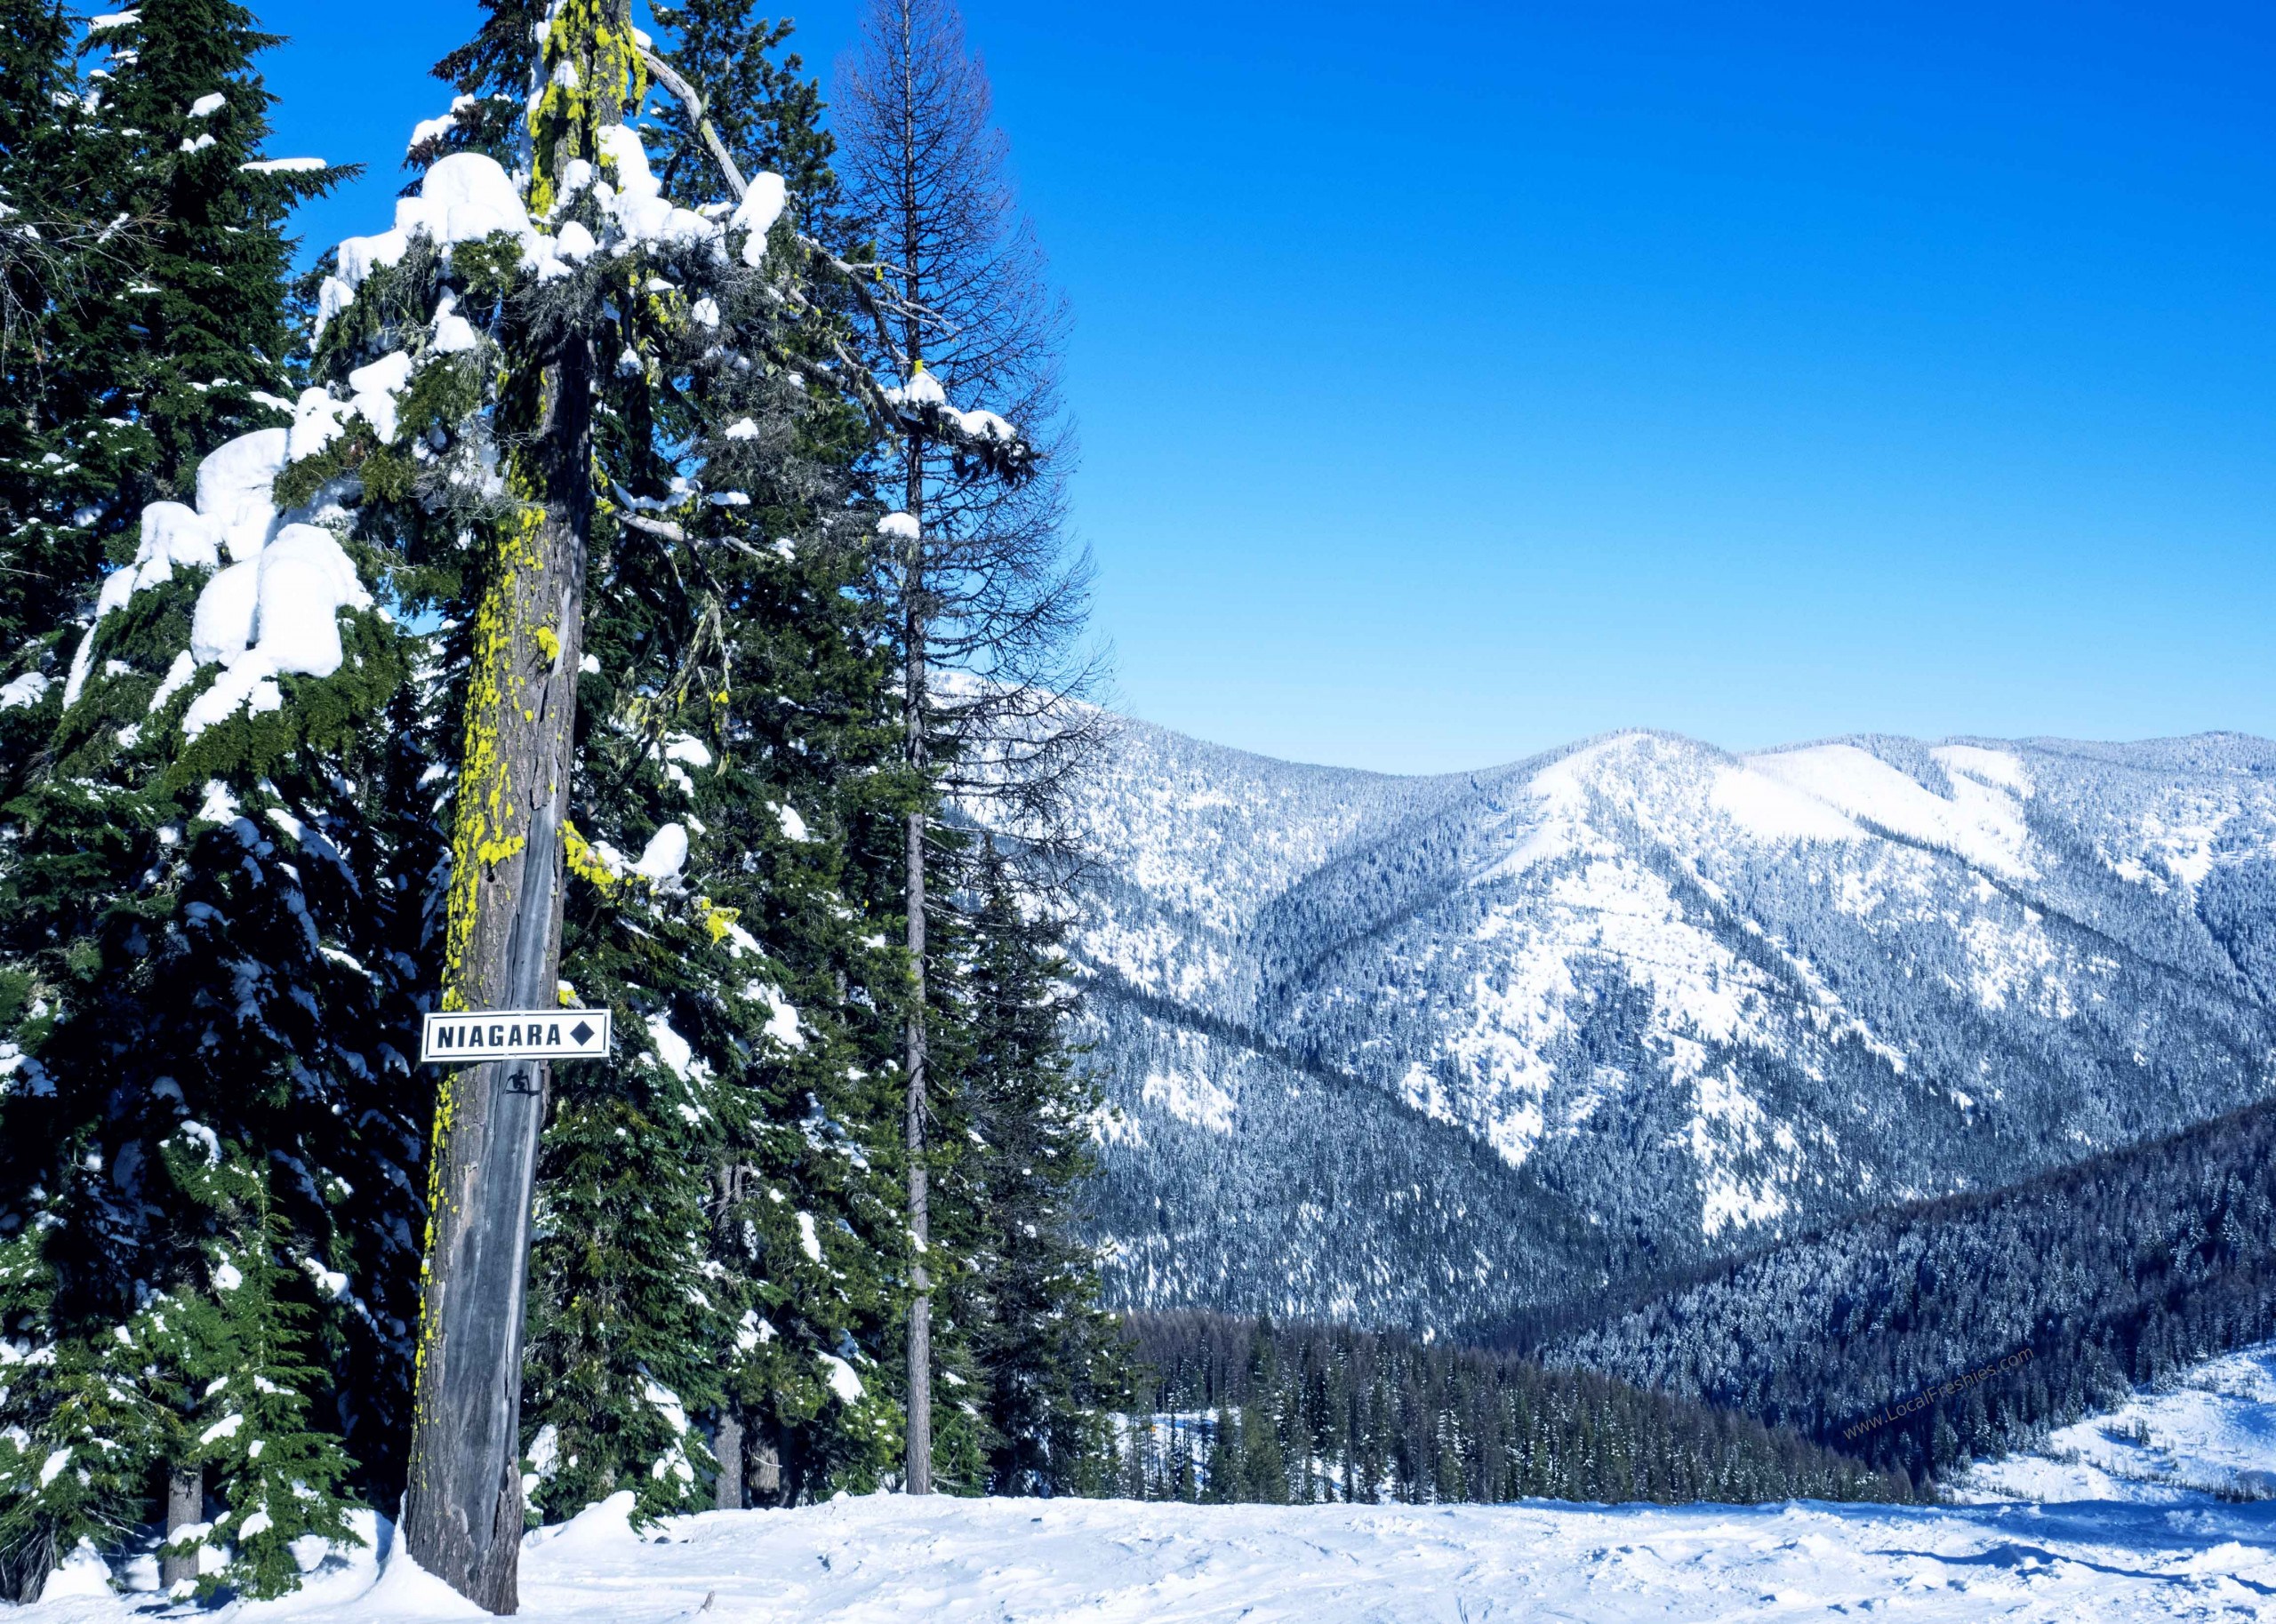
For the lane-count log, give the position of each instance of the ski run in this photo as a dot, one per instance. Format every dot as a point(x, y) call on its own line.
point(2128, 1515)
point(890, 1558)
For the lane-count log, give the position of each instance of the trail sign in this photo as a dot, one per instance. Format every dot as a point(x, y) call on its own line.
point(471, 1037)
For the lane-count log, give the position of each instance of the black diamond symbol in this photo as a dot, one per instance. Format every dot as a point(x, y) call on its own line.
point(582, 1033)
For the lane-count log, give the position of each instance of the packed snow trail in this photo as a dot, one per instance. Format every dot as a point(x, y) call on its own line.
point(888, 1558)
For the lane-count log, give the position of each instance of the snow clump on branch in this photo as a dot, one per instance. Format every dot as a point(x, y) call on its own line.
point(272, 611)
point(468, 197)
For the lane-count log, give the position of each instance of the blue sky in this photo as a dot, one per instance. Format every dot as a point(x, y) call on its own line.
point(1455, 381)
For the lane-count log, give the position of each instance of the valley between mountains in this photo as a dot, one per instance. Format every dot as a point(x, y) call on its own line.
point(1431, 1052)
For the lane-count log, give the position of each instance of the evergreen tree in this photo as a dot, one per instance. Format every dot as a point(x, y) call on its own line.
point(159, 331)
point(200, 968)
point(53, 248)
point(711, 1233)
point(491, 73)
point(226, 880)
point(247, 1418)
point(985, 608)
point(757, 98)
point(1050, 1357)
point(206, 1127)
point(1223, 1480)
point(789, 743)
point(45, 244)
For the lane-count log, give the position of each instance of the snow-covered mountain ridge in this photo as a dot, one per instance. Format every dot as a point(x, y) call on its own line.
point(1419, 1050)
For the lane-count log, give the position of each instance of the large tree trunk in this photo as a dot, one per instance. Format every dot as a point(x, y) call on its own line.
point(185, 1504)
point(728, 1448)
point(462, 1511)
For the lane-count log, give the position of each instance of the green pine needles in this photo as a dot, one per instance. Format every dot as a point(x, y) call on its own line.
point(199, 971)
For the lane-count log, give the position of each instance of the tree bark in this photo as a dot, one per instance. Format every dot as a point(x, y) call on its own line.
point(920, 1307)
point(915, 635)
point(728, 1448)
point(185, 1504)
point(462, 1511)
point(766, 1474)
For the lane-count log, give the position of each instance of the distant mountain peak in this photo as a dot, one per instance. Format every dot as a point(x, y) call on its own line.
point(1641, 998)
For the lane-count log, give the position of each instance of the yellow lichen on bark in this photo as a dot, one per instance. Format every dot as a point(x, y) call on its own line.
point(589, 48)
point(480, 838)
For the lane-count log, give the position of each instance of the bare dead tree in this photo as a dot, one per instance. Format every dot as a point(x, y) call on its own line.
point(990, 605)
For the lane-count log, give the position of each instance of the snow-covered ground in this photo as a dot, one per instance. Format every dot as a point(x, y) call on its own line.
point(2120, 1518)
point(889, 1558)
point(2214, 1431)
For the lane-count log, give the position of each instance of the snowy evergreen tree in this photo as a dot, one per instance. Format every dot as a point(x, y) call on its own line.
point(206, 1121)
point(231, 870)
point(490, 72)
point(200, 939)
point(741, 714)
point(758, 102)
point(716, 1185)
point(46, 243)
point(159, 332)
point(196, 340)
point(747, 697)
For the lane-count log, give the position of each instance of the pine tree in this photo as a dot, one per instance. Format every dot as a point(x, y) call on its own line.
point(986, 608)
point(198, 341)
point(1225, 1477)
point(199, 925)
point(717, 1184)
point(161, 333)
point(196, 985)
point(757, 99)
point(520, 595)
point(738, 709)
point(53, 250)
point(45, 242)
point(491, 73)
point(1050, 1358)
point(772, 725)
point(245, 1420)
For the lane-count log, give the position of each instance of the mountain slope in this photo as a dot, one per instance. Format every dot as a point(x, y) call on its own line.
point(1916, 1336)
point(2210, 1431)
point(1420, 1050)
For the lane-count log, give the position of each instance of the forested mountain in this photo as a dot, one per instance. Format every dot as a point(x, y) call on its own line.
point(1920, 1336)
point(1420, 1050)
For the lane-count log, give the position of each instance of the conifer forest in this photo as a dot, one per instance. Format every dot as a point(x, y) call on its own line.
point(637, 579)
